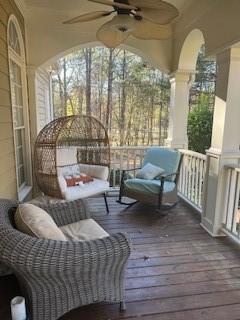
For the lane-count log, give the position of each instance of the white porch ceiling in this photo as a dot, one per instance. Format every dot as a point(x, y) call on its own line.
point(45, 30)
point(84, 4)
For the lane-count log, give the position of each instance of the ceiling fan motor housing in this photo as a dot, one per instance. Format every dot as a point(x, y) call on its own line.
point(127, 11)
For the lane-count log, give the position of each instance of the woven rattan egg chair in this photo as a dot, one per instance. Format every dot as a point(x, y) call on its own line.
point(72, 146)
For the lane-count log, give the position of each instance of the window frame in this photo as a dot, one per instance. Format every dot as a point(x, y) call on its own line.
point(13, 57)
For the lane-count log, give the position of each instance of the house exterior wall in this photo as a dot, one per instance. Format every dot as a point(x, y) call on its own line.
point(7, 158)
point(43, 96)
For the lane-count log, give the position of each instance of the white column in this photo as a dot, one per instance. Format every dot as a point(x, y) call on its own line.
point(181, 82)
point(225, 139)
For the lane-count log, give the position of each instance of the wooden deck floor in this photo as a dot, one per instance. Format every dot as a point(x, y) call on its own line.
point(176, 270)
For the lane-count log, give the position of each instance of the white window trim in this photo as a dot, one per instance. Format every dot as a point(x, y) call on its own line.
point(24, 191)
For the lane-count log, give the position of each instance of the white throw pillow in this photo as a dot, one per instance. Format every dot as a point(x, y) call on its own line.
point(149, 172)
point(68, 170)
point(36, 222)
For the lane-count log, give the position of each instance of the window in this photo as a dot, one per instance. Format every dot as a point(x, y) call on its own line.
point(17, 70)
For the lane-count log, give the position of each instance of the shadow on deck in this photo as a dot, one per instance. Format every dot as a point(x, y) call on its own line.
point(176, 270)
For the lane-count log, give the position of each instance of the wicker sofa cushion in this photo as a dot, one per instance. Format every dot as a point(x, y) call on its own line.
point(36, 222)
point(84, 230)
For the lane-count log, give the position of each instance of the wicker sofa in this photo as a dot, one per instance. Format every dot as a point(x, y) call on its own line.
point(58, 276)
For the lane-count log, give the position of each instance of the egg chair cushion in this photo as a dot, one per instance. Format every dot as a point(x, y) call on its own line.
point(95, 187)
point(99, 172)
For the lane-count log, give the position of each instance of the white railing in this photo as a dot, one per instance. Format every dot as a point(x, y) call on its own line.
point(192, 171)
point(231, 219)
point(123, 158)
point(191, 178)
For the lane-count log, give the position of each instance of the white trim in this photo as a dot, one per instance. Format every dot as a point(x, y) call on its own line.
point(24, 190)
point(24, 193)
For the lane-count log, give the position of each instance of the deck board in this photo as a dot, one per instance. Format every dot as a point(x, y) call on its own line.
point(176, 270)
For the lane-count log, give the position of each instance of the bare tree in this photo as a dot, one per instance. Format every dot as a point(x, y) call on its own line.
point(88, 60)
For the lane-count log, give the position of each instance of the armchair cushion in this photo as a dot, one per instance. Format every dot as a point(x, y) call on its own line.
point(149, 172)
point(167, 159)
point(36, 222)
point(84, 230)
point(148, 186)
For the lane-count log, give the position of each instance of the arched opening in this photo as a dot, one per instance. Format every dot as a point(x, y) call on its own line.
point(121, 89)
point(202, 91)
point(190, 50)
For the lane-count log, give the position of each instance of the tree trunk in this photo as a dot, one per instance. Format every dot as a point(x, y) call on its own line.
point(109, 91)
point(65, 94)
point(123, 100)
point(88, 59)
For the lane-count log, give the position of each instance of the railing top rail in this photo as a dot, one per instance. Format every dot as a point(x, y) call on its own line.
point(193, 154)
point(133, 147)
point(234, 167)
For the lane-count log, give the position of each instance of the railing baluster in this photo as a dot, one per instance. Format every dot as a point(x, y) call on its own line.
point(196, 191)
point(191, 177)
point(231, 217)
point(201, 177)
point(230, 209)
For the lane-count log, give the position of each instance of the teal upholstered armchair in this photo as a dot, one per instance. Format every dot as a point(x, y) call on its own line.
point(158, 190)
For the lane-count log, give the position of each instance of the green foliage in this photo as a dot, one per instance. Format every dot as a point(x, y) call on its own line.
point(200, 121)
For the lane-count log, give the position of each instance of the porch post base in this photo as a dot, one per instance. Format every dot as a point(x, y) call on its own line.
point(208, 227)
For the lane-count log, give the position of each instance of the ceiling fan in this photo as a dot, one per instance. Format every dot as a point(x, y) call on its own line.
point(143, 19)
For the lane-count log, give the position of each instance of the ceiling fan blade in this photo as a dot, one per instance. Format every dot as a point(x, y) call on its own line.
point(111, 37)
point(88, 17)
point(152, 4)
point(157, 11)
point(147, 30)
point(115, 4)
point(158, 16)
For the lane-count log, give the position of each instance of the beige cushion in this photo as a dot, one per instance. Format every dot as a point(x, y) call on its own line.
point(84, 230)
point(36, 222)
point(66, 156)
point(68, 170)
point(99, 172)
point(86, 190)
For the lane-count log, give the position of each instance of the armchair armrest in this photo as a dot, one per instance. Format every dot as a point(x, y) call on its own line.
point(60, 259)
point(134, 169)
point(67, 212)
point(164, 176)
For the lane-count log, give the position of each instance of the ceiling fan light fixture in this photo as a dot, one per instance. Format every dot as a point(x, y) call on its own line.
point(123, 23)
